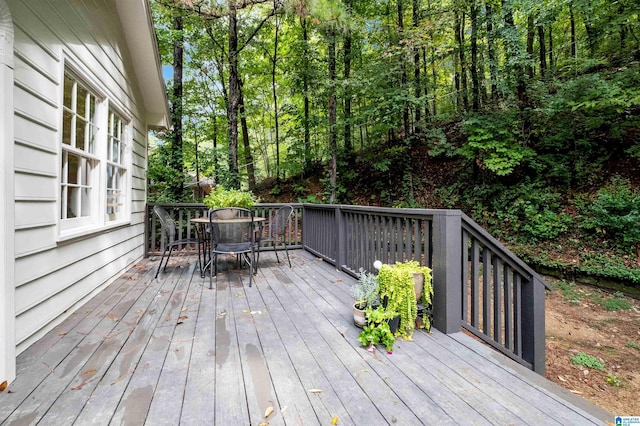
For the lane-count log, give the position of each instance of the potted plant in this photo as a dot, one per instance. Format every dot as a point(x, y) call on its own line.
point(221, 197)
point(365, 293)
point(399, 293)
point(377, 329)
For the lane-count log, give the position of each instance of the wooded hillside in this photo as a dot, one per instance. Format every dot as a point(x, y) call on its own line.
point(523, 113)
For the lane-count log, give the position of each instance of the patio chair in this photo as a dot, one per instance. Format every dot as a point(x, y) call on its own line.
point(276, 232)
point(234, 236)
point(169, 231)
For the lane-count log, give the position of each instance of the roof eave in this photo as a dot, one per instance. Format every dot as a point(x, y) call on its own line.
point(139, 32)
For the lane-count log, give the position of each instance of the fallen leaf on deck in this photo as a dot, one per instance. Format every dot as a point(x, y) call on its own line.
point(246, 311)
point(85, 373)
point(283, 411)
point(182, 318)
point(334, 421)
point(315, 390)
point(62, 334)
point(338, 281)
point(264, 424)
point(268, 412)
point(3, 386)
point(184, 309)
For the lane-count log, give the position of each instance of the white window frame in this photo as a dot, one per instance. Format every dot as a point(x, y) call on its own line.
point(118, 209)
point(96, 180)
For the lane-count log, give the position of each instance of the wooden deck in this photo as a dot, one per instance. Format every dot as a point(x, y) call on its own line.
point(171, 351)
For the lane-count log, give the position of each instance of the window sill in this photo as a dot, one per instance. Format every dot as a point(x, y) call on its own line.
point(90, 231)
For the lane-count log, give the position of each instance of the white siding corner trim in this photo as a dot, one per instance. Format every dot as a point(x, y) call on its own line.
point(7, 209)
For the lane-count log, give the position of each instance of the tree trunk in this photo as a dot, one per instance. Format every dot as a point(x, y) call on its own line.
point(234, 98)
point(333, 148)
point(574, 49)
point(177, 185)
point(348, 146)
point(456, 61)
point(403, 76)
point(543, 51)
point(491, 50)
point(248, 154)
point(551, 59)
point(274, 63)
point(475, 83)
point(530, 36)
point(305, 97)
point(416, 60)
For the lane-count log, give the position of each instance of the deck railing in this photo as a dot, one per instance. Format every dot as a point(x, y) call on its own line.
point(479, 285)
point(183, 213)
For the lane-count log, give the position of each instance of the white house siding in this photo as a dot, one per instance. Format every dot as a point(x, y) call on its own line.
point(7, 318)
point(54, 277)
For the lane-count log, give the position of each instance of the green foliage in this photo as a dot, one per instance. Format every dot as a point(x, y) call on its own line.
point(616, 303)
point(365, 290)
point(569, 292)
point(614, 213)
point(396, 286)
point(632, 345)
point(585, 360)
point(377, 330)
point(613, 380)
point(221, 197)
point(493, 142)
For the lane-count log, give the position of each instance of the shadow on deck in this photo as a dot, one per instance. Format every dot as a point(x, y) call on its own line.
point(171, 351)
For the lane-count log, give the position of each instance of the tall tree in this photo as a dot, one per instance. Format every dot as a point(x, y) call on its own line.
point(177, 163)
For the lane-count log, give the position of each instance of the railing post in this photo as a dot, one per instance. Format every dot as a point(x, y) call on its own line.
point(533, 324)
point(341, 242)
point(447, 271)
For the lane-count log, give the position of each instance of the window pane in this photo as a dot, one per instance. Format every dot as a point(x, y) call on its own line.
point(68, 92)
point(73, 202)
point(81, 108)
point(73, 169)
point(80, 133)
point(86, 202)
point(67, 118)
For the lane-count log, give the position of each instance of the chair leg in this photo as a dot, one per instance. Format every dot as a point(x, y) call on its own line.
point(160, 265)
point(287, 251)
point(275, 249)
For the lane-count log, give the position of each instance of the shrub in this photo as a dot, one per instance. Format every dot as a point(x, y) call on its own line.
point(614, 213)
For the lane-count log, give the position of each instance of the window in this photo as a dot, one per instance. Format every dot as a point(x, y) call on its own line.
point(94, 170)
point(116, 169)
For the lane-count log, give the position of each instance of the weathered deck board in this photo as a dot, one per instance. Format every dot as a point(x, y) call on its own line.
point(172, 351)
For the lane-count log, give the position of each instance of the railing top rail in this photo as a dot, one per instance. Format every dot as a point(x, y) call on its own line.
point(471, 226)
point(384, 210)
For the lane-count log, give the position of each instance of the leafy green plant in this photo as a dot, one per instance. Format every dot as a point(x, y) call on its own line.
point(614, 213)
point(493, 141)
point(221, 197)
point(396, 286)
point(589, 361)
point(613, 380)
point(377, 330)
point(365, 290)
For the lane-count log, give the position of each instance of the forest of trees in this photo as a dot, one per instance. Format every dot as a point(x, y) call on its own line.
point(531, 101)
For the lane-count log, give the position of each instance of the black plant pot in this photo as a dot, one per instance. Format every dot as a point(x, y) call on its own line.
point(394, 323)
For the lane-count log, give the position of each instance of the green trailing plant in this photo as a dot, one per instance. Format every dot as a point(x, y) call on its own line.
point(221, 197)
point(396, 287)
point(377, 330)
point(365, 290)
